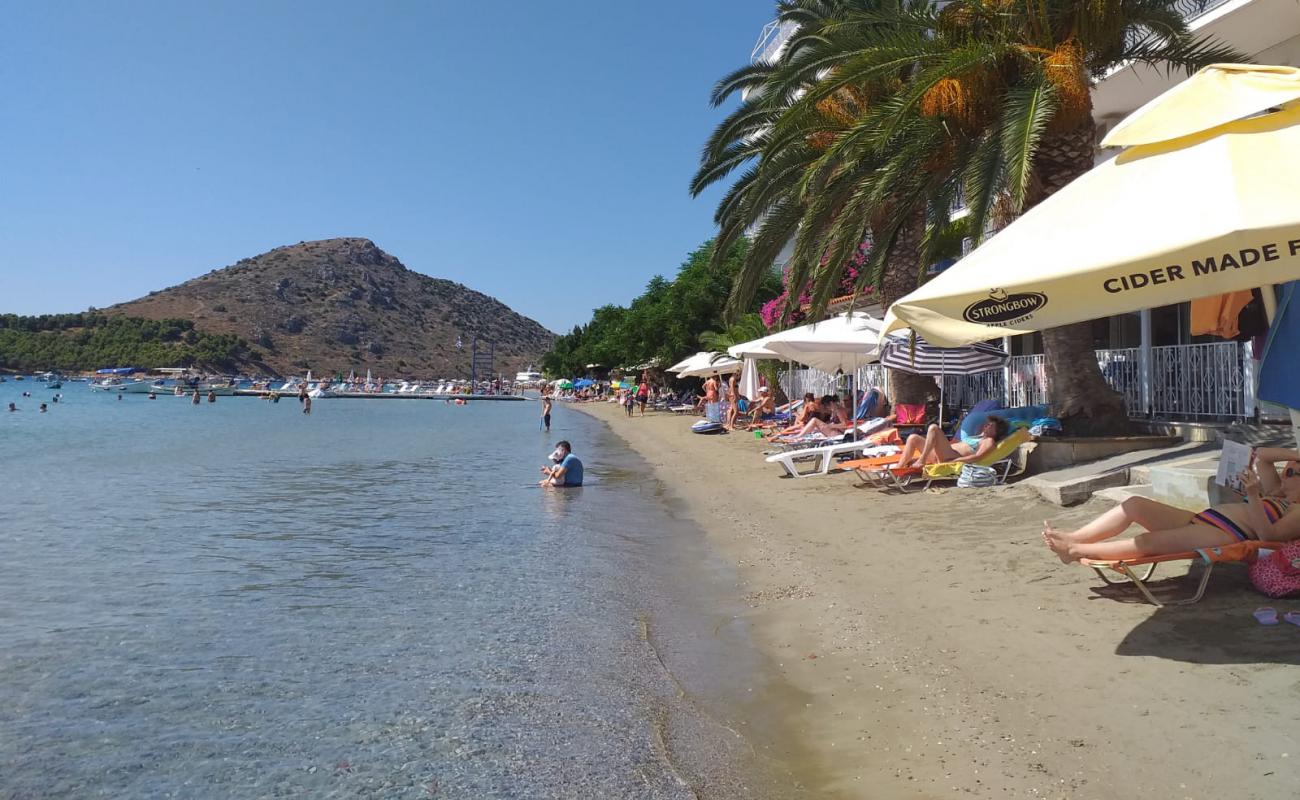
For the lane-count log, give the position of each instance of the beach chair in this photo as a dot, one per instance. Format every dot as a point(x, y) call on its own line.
point(1002, 458)
point(824, 457)
point(1239, 552)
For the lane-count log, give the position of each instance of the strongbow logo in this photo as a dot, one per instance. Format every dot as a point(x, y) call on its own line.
point(1002, 309)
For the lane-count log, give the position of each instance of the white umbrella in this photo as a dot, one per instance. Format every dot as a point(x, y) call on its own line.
point(749, 379)
point(704, 364)
point(754, 349)
point(685, 363)
point(838, 344)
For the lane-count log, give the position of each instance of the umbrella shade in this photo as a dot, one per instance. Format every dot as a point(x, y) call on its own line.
point(926, 359)
point(686, 363)
point(1168, 220)
point(583, 383)
point(565, 384)
point(715, 364)
point(838, 344)
point(754, 349)
point(705, 363)
point(748, 386)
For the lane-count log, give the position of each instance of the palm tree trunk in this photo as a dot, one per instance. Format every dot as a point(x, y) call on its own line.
point(1076, 391)
point(901, 276)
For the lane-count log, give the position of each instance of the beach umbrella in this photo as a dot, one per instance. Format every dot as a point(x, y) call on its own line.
point(748, 386)
point(1201, 202)
point(565, 384)
point(914, 354)
point(706, 364)
point(685, 363)
point(753, 349)
point(838, 344)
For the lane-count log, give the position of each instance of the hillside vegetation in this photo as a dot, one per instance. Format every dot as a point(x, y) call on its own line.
point(79, 342)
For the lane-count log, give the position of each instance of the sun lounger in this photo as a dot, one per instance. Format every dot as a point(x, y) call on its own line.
point(825, 456)
point(1245, 552)
point(1002, 458)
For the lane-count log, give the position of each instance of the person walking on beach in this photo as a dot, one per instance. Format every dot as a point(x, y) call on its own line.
point(546, 412)
point(642, 394)
point(567, 473)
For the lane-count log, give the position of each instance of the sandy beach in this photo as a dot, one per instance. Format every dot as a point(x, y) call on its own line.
point(945, 651)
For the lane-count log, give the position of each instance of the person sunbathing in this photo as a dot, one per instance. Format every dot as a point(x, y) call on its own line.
point(935, 448)
point(1271, 513)
point(831, 420)
point(807, 411)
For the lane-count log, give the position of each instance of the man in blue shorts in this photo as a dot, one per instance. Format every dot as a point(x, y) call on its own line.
point(567, 473)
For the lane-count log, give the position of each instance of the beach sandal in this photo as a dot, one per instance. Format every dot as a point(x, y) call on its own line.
point(1292, 617)
point(1267, 615)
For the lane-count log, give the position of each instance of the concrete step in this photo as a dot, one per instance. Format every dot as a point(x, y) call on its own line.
point(1075, 484)
point(1118, 494)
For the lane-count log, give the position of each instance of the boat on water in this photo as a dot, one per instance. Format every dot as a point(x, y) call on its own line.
point(122, 386)
point(53, 380)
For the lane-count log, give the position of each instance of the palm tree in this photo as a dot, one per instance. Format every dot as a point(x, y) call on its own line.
point(790, 189)
point(996, 99)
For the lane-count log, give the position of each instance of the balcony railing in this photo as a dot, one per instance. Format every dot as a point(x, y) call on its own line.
point(774, 36)
point(1188, 382)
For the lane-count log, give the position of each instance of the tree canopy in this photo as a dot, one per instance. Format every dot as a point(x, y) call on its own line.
point(664, 323)
point(89, 340)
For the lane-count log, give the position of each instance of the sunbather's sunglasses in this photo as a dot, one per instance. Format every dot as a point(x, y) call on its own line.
point(1290, 472)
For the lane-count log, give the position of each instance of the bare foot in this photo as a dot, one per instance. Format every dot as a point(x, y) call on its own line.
point(1058, 545)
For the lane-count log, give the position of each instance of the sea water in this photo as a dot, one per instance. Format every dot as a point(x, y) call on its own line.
point(236, 599)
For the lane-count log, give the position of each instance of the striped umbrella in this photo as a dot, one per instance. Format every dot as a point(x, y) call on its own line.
point(911, 353)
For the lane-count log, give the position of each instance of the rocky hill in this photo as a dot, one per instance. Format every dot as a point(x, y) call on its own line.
point(343, 304)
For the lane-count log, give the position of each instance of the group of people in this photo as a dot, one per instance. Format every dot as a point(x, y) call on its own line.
point(734, 404)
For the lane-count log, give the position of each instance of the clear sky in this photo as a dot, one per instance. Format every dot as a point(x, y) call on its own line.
point(536, 151)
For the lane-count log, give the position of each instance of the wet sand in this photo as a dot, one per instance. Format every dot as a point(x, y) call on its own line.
point(944, 651)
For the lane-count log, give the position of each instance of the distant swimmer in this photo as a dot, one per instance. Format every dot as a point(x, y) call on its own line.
point(567, 473)
point(302, 392)
point(119, 397)
point(212, 396)
point(546, 412)
point(194, 400)
point(152, 396)
point(43, 408)
point(13, 407)
point(306, 404)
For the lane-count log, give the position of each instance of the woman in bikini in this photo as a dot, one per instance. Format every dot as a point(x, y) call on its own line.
point(1271, 513)
point(934, 447)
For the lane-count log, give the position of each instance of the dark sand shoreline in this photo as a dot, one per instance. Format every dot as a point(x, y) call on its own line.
point(943, 650)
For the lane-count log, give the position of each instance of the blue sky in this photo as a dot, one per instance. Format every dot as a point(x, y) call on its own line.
point(538, 152)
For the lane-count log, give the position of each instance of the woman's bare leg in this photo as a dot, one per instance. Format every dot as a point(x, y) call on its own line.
point(1151, 543)
point(914, 444)
point(937, 447)
point(1150, 514)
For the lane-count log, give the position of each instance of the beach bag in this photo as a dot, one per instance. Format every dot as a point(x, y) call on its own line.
point(1278, 573)
point(976, 477)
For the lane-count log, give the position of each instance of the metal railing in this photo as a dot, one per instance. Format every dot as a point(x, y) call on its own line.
point(774, 36)
point(1188, 382)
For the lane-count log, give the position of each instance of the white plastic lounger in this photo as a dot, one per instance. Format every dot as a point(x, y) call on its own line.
point(825, 456)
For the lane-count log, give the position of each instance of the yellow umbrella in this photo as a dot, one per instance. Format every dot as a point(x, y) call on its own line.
point(1200, 203)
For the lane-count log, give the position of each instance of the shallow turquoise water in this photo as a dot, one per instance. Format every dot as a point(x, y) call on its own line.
point(238, 600)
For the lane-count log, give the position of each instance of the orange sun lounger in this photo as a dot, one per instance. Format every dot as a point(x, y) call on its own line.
point(1246, 551)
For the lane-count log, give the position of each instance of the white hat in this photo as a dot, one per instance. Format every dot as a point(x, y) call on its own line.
point(762, 389)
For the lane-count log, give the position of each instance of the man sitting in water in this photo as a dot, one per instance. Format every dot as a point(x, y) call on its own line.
point(566, 473)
